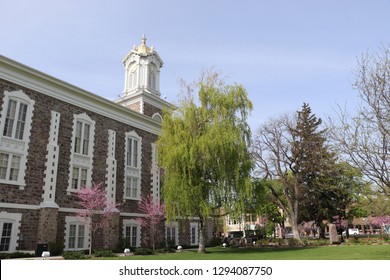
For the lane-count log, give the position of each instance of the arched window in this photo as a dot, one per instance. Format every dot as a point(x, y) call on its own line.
point(157, 117)
point(152, 76)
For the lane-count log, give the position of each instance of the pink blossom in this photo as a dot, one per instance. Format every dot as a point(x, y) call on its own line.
point(95, 210)
point(152, 222)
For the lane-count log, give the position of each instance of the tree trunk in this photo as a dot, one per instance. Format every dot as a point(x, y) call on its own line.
point(90, 239)
point(294, 220)
point(322, 230)
point(295, 231)
point(202, 237)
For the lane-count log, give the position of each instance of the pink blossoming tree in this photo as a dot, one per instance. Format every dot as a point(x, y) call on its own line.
point(152, 222)
point(96, 208)
point(381, 221)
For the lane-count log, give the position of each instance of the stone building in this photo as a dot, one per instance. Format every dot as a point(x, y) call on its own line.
point(56, 138)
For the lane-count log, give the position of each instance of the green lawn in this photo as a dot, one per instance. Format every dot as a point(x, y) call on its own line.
point(356, 252)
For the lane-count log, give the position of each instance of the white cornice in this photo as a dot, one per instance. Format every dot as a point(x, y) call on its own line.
point(19, 206)
point(146, 97)
point(60, 209)
point(124, 214)
point(28, 77)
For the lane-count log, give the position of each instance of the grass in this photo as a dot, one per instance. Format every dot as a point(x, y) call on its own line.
point(342, 252)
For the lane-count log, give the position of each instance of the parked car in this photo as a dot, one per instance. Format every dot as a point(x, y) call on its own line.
point(351, 231)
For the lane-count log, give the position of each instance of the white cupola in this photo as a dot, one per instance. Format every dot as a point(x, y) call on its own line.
point(142, 81)
point(142, 70)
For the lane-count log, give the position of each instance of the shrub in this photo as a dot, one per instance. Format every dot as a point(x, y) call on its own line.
point(262, 242)
point(56, 248)
point(166, 250)
point(143, 251)
point(15, 255)
point(103, 254)
point(74, 255)
point(294, 242)
point(215, 241)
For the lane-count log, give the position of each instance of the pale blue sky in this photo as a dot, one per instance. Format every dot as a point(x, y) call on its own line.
point(283, 52)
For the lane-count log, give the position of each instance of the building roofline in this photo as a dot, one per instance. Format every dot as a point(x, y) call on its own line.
point(31, 78)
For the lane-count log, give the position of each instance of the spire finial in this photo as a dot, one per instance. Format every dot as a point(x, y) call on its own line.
point(143, 39)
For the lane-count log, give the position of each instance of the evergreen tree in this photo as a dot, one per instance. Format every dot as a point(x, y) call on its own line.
point(328, 187)
point(312, 185)
point(313, 167)
point(308, 150)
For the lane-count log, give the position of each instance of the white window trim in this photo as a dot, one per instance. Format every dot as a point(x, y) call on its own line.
point(73, 220)
point(51, 165)
point(130, 171)
point(157, 117)
point(196, 226)
point(79, 160)
point(155, 175)
point(15, 219)
point(17, 147)
point(111, 164)
point(170, 226)
point(136, 223)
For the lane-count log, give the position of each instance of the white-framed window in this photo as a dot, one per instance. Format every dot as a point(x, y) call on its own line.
point(157, 117)
point(194, 233)
point(132, 233)
point(172, 233)
point(132, 151)
point(76, 235)
point(82, 137)
point(9, 230)
point(15, 130)
point(132, 187)
point(9, 166)
point(132, 76)
point(132, 184)
point(79, 177)
point(82, 152)
point(6, 234)
point(152, 76)
point(15, 119)
point(233, 221)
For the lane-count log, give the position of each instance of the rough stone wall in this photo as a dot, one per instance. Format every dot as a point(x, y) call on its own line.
point(27, 238)
point(36, 153)
point(135, 107)
point(112, 233)
point(32, 193)
point(47, 225)
point(149, 110)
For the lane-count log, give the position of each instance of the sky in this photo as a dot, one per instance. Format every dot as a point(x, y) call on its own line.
point(283, 52)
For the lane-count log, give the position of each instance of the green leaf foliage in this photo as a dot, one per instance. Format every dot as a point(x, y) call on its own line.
point(203, 149)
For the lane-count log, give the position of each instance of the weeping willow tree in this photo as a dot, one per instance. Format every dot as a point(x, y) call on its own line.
point(203, 148)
